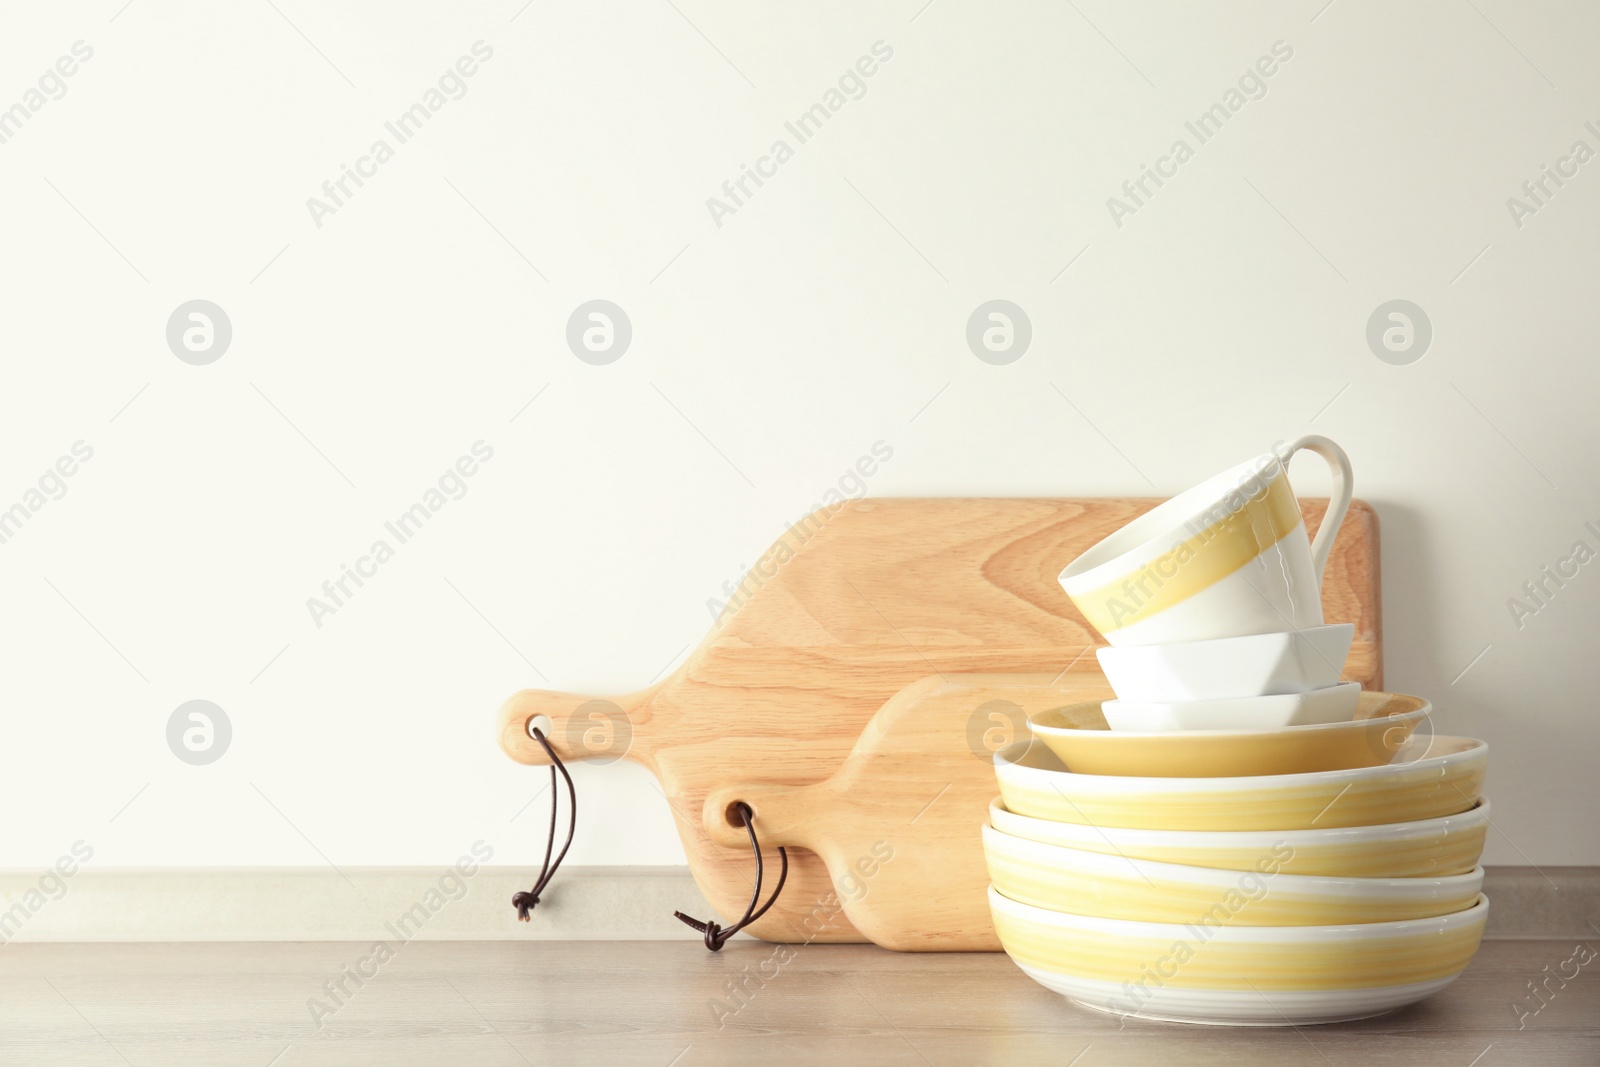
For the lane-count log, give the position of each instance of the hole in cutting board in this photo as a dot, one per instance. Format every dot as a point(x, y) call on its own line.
point(542, 723)
point(733, 815)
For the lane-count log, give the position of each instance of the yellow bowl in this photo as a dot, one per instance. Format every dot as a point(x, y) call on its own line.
point(1244, 975)
point(1447, 845)
point(1117, 887)
point(1429, 777)
point(1079, 735)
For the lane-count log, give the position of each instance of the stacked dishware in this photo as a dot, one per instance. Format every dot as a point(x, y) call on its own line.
point(1238, 837)
point(1212, 605)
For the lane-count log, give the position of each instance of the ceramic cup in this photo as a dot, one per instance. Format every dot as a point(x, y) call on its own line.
point(1226, 558)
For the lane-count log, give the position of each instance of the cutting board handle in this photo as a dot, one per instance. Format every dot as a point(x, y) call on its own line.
point(580, 727)
point(781, 813)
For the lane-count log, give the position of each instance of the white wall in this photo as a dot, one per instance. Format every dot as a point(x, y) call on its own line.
point(768, 354)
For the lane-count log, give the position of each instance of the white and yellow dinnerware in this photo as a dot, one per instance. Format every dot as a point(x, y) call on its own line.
point(1450, 844)
point(1120, 887)
point(1294, 661)
point(1241, 975)
point(1428, 778)
point(1335, 704)
point(1080, 735)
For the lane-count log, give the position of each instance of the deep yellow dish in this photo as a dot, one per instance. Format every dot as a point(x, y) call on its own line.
point(1117, 887)
point(1079, 735)
point(1249, 975)
point(1450, 844)
point(1429, 778)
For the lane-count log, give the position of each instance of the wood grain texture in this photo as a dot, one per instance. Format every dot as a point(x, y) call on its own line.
point(661, 1003)
point(898, 824)
point(844, 611)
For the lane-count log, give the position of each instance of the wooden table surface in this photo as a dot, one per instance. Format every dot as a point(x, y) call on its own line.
point(488, 1004)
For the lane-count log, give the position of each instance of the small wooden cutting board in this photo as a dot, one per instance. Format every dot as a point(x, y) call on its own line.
point(899, 824)
point(846, 609)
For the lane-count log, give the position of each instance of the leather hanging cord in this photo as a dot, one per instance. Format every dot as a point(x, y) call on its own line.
point(716, 936)
point(526, 901)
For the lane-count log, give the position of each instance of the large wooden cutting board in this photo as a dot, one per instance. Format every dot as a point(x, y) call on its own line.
point(846, 609)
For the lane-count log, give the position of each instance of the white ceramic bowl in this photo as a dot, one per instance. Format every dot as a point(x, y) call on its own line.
point(1447, 845)
point(1238, 975)
point(1337, 703)
point(1296, 661)
point(1119, 887)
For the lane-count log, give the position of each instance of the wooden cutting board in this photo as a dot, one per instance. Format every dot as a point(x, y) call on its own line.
point(898, 824)
point(847, 608)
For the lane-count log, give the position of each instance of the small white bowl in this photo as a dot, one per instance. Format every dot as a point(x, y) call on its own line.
point(1295, 661)
point(1337, 703)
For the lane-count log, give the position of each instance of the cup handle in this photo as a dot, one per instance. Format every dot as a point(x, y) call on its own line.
point(1338, 503)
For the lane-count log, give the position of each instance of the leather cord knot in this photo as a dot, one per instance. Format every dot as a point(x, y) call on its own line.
point(715, 935)
point(524, 902)
point(527, 900)
point(713, 931)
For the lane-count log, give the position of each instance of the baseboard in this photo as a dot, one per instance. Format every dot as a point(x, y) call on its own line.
point(585, 903)
point(355, 904)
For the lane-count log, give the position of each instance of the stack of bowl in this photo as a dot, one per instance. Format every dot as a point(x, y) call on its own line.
point(1239, 837)
point(1249, 898)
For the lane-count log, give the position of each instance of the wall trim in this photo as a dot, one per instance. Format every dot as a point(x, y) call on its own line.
point(585, 903)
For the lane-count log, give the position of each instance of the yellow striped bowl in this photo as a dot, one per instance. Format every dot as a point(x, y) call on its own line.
point(1430, 777)
point(1443, 846)
point(1116, 887)
point(1243, 975)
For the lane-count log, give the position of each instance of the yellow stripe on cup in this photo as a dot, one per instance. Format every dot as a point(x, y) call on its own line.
point(1197, 563)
